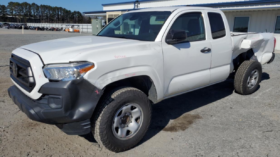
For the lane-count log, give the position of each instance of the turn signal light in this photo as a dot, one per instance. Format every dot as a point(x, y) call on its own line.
point(86, 69)
point(274, 43)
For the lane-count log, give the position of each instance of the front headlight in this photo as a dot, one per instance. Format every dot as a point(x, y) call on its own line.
point(67, 72)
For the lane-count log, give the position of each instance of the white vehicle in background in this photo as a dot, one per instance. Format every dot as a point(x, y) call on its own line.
point(72, 28)
point(105, 84)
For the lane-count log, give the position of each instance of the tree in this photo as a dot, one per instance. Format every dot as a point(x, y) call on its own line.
point(24, 11)
point(11, 8)
point(42, 12)
point(34, 10)
point(3, 12)
point(18, 11)
point(60, 12)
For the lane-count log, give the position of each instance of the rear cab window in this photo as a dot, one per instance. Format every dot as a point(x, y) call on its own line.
point(217, 25)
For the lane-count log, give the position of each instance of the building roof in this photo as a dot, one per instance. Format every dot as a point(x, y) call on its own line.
point(157, 9)
point(220, 5)
point(206, 4)
point(131, 2)
point(171, 9)
point(238, 3)
point(104, 11)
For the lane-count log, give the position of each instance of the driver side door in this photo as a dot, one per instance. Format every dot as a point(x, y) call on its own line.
point(187, 63)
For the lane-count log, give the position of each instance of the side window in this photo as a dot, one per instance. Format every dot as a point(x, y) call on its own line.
point(277, 27)
point(217, 25)
point(241, 24)
point(192, 24)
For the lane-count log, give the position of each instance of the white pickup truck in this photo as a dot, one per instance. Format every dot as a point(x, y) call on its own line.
point(105, 84)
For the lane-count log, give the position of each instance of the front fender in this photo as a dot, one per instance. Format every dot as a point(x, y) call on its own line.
point(121, 74)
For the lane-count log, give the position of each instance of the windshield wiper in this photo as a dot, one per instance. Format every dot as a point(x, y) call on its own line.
point(124, 37)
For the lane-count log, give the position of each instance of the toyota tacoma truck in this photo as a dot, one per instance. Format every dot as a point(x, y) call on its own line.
point(106, 84)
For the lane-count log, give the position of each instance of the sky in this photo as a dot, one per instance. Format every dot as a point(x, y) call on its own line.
point(78, 5)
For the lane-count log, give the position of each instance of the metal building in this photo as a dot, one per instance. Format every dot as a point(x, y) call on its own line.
point(242, 15)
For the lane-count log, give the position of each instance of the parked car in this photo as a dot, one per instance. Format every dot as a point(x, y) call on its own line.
point(105, 84)
point(42, 28)
point(13, 26)
point(32, 28)
point(4, 24)
point(25, 26)
point(19, 26)
point(51, 29)
point(58, 29)
point(72, 28)
point(7, 26)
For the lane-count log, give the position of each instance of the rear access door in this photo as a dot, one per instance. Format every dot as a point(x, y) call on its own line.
point(221, 43)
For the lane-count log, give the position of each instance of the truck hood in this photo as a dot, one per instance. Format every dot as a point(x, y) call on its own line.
point(70, 49)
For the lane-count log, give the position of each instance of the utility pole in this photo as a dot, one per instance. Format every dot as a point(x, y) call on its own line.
point(136, 4)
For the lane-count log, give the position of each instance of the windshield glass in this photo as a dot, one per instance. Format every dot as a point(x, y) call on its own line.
point(143, 26)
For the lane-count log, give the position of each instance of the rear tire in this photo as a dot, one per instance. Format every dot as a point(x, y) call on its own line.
point(122, 119)
point(248, 77)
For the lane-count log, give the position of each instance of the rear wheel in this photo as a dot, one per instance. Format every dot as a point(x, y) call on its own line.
point(248, 77)
point(122, 119)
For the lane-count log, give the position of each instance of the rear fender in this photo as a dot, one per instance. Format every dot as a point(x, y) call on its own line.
point(262, 45)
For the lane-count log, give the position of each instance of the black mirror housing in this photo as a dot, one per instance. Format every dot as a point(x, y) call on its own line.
point(176, 36)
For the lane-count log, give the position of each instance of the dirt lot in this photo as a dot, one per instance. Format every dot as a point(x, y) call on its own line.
point(212, 122)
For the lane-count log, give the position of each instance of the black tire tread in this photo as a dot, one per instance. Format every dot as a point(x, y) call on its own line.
point(240, 76)
point(98, 115)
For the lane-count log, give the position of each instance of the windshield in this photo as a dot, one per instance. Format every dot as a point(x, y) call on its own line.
point(143, 26)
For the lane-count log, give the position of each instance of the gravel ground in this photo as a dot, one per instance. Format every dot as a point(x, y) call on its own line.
point(211, 122)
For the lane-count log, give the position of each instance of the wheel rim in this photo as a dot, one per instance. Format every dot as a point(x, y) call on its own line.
point(253, 79)
point(127, 121)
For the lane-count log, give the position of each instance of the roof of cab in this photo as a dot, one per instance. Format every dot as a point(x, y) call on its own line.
point(171, 9)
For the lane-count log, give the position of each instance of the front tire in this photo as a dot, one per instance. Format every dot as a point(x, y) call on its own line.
point(248, 77)
point(122, 119)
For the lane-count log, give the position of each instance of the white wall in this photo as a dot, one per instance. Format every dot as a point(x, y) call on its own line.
point(260, 21)
point(163, 4)
point(86, 28)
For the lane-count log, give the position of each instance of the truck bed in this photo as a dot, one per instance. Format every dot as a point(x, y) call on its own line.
point(261, 43)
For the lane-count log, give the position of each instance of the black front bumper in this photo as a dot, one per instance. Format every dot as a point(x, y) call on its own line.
point(68, 105)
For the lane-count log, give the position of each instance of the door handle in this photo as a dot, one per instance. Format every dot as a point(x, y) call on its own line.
point(205, 50)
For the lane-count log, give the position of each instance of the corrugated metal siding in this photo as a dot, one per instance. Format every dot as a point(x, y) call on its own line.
point(260, 21)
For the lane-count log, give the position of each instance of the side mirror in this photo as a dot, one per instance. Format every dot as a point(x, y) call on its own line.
point(176, 36)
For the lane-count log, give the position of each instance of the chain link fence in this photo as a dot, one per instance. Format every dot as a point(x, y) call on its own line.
point(84, 28)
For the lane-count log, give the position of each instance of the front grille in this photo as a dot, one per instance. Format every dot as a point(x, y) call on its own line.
point(21, 73)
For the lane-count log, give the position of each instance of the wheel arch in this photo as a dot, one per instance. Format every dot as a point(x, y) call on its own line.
point(143, 83)
point(248, 55)
point(141, 77)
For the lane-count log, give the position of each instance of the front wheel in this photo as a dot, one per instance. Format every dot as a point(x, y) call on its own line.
point(248, 77)
point(122, 119)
